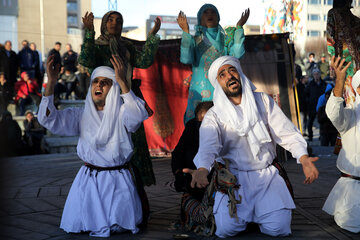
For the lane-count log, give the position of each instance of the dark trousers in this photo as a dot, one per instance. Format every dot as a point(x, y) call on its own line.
point(310, 125)
point(328, 139)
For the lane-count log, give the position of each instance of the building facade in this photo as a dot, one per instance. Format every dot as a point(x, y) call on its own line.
point(43, 22)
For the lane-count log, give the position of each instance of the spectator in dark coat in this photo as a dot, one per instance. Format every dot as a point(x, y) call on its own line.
point(300, 86)
point(38, 67)
point(313, 91)
point(56, 52)
point(11, 66)
point(70, 59)
point(310, 65)
point(10, 138)
point(5, 94)
point(328, 132)
point(34, 133)
point(27, 60)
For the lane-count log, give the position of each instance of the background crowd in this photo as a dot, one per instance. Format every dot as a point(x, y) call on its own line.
point(22, 81)
point(314, 83)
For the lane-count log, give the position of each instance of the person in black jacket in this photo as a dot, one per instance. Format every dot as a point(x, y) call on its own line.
point(182, 157)
point(27, 60)
point(69, 59)
point(56, 52)
point(328, 132)
point(33, 134)
point(5, 93)
point(313, 91)
point(10, 66)
point(10, 138)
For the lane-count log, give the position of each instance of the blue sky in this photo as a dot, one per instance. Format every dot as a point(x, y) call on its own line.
point(135, 12)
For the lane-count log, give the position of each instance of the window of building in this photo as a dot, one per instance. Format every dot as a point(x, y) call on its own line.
point(72, 14)
point(328, 2)
point(325, 18)
point(72, 21)
point(313, 33)
point(313, 17)
point(72, 6)
point(314, 2)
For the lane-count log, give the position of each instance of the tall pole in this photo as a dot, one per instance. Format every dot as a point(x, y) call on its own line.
point(42, 35)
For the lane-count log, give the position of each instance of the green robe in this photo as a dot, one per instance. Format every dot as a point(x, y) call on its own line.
point(93, 55)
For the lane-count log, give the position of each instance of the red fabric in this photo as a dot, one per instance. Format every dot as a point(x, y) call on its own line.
point(23, 91)
point(165, 89)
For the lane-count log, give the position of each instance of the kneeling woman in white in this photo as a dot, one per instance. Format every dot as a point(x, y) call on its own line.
point(103, 197)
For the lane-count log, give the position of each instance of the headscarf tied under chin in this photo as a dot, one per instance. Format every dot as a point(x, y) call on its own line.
point(355, 82)
point(215, 35)
point(251, 124)
point(116, 44)
point(107, 133)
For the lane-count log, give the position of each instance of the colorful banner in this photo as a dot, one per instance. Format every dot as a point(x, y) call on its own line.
point(285, 16)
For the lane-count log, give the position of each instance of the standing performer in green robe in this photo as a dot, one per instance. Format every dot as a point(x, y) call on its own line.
point(98, 52)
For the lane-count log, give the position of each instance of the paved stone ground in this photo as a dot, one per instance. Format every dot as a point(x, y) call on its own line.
point(35, 189)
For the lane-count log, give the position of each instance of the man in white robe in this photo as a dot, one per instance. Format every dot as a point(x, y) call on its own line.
point(244, 127)
point(103, 197)
point(343, 201)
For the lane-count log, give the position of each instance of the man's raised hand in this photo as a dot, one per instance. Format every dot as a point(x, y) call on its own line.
point(88, 21)
point(182, 21)
point(120, 74)
point(340, 70)
point(51, 70)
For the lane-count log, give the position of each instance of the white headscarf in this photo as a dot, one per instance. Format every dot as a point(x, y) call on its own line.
point(107, 133)
point(355, 82)
point(251, 123)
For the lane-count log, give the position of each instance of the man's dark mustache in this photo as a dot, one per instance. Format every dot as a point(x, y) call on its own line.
point(232, 79)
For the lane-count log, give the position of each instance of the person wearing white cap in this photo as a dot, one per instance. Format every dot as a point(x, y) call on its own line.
point(244, 127)
point(343, 201)
point(103, 197)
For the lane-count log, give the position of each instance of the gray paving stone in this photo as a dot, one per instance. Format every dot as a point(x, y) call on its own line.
point(49, 191)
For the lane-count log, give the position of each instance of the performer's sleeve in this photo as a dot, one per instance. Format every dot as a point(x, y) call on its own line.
point(87, 57)
point(187, 49)
point(236, 38)
point(283, 131)
point(64, 122)
point(339, 116)
point(210, 143)
point(145, 58)
point(133, 111)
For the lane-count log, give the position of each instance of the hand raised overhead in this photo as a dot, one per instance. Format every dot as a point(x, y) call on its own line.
point(340, 70)
point(88, 21)
point(182, 21)
point(244, 17)
point(156, 27)
point(120, 73)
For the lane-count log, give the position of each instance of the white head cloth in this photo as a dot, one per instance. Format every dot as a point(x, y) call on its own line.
point(108, 135)
point(251, 123)
point(355, 82)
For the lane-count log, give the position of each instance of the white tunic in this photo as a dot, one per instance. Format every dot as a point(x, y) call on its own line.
point(344, 198)
point(106, 201)
point(262, 189)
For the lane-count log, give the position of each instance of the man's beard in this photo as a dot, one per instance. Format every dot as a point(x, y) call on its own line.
point(237, 93)
point(99, 103)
